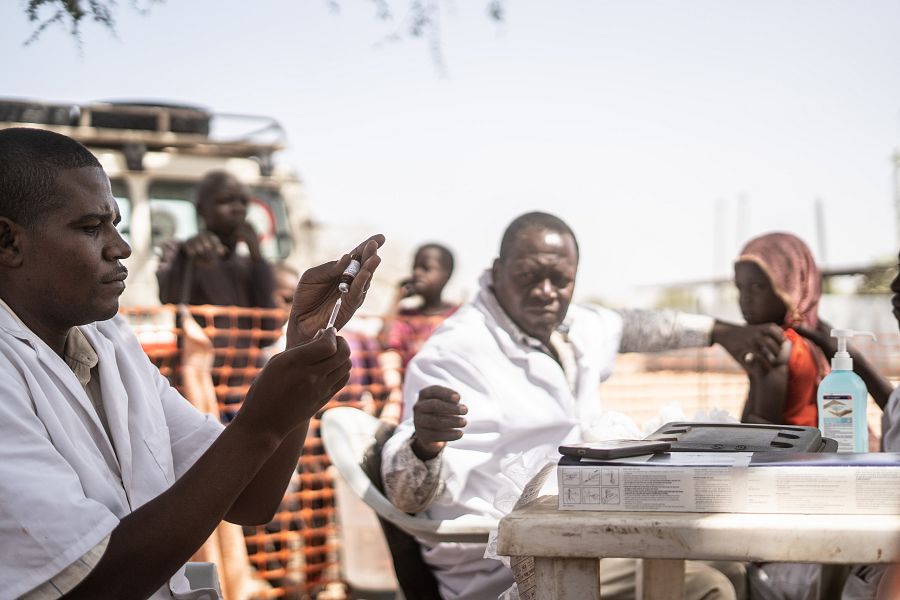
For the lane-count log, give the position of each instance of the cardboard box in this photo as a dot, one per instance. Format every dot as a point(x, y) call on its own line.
point(740, 482)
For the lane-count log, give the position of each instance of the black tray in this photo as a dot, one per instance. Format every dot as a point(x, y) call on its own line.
point(741, 437)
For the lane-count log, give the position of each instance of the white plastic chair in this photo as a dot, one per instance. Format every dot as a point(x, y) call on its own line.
point(203, 578)
point(347, 434)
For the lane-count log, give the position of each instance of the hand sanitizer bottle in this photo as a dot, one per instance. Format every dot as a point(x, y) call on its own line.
point(842, 399)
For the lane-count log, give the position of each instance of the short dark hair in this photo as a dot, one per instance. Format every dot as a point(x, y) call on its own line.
point(210, 183)
point(446, 256)
point(536, 220)
point(30, 160)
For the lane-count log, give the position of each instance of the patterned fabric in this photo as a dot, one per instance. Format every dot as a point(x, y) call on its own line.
point(658, 330)
point(790, 266)
point(419, 480)
point(411, 329)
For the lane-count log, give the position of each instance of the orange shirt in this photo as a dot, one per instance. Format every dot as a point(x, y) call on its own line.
point(803, 380)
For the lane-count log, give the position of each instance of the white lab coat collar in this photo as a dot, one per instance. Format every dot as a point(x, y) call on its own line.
point(13, 314)
point(516, 344)
point(489, 304)
point(12, 324)
point(116, 412)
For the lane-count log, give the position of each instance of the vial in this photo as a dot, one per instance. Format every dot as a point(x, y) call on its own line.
point(348, 275)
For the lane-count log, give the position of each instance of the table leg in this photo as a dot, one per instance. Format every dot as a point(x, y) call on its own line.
point(567, 578)
point(660, 579)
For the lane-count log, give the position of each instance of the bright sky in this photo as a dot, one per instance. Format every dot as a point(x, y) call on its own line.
point(632, 120)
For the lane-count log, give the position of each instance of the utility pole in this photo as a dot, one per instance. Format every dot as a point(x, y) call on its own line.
point(821, 241)
point(821, 236)
point(742, 212)
point(719, 250)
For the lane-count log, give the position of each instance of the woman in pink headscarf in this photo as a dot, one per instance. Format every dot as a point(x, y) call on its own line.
point(778, 282)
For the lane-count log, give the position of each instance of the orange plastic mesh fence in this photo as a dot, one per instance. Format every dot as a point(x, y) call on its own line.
point(297, 551)
point(705, 379)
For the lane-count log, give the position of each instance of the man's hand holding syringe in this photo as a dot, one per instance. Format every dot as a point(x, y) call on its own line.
point(316, 362)
point(318, 291)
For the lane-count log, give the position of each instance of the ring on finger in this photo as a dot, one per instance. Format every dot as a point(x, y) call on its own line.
point(749, 357)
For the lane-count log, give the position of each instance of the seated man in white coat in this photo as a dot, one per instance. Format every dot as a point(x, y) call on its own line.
point(515, 369)
point(109, 479)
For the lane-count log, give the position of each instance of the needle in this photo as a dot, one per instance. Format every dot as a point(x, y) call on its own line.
point(334, 313)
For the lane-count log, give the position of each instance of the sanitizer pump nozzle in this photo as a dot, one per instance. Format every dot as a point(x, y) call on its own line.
point(842, 361)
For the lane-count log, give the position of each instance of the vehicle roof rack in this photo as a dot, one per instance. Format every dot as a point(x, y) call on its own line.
point(156, 126)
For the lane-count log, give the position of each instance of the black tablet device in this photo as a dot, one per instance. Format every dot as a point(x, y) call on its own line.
point(613, 449)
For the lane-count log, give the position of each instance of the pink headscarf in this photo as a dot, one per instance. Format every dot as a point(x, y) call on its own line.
point(790, 266)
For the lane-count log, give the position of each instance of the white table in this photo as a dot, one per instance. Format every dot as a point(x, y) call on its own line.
point(567, 544)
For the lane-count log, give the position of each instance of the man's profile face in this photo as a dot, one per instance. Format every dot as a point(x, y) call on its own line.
point(224, 208)
point(535, 281)
point(71, 257)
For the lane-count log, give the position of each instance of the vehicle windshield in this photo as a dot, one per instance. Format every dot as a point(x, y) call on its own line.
point(268, 216)
point(123, 199)
point(172, 214)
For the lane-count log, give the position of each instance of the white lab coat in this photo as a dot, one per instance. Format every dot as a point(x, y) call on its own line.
point(58, 497)
point(518, 399)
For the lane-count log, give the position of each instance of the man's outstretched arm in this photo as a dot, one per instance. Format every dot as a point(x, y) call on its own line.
point(657, 330)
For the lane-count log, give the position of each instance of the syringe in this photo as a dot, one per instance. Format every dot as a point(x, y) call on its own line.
point(334, 313)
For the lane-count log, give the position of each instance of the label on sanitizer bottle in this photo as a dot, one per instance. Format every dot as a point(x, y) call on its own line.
point(837, 420)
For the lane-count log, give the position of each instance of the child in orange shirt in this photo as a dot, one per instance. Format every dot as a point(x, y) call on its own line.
point(404, 330)
point(778, 282)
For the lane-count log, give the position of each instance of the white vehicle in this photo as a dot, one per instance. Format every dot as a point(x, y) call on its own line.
point(155, 154)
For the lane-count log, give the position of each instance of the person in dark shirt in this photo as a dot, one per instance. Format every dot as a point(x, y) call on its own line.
point(207, 264)
point(207, 269)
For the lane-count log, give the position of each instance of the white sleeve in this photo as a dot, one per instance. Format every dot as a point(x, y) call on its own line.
point(890, 423)
point(191, 432)
point(46, 521)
